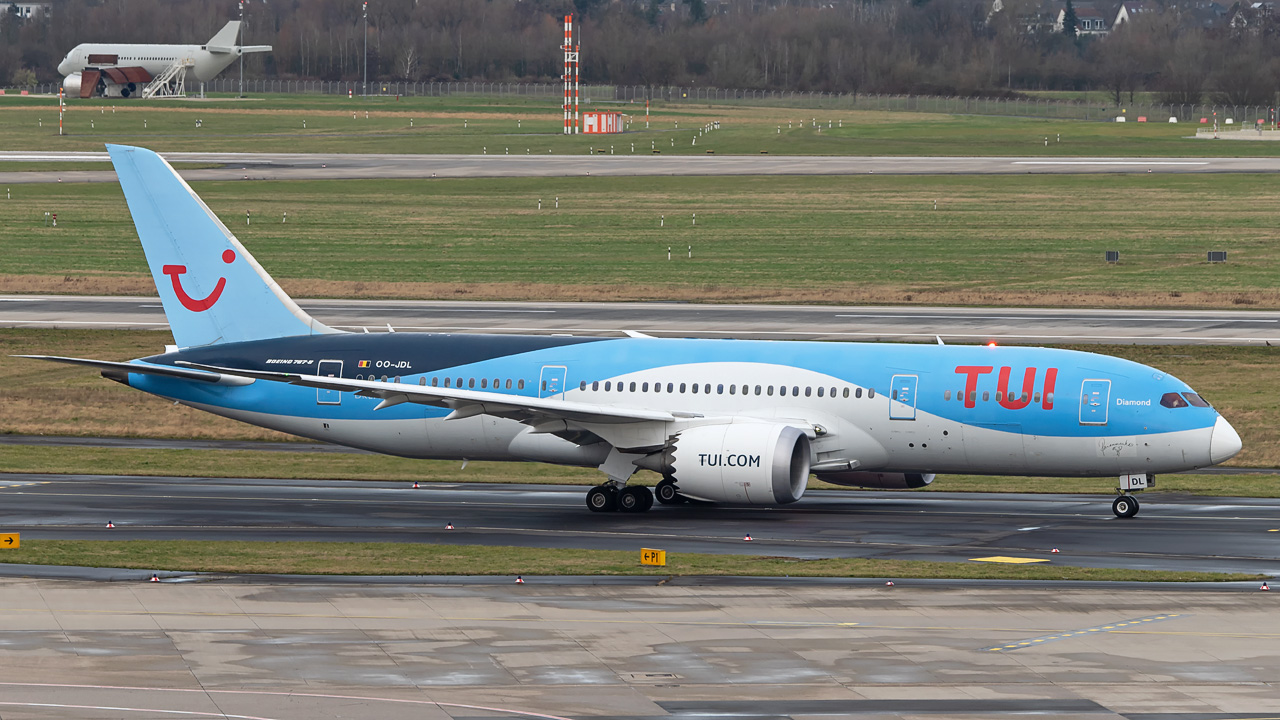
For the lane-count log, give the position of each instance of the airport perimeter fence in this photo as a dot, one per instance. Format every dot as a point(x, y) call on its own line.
point(1240, 115)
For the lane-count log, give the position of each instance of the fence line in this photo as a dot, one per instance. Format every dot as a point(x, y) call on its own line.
point(1207, 114)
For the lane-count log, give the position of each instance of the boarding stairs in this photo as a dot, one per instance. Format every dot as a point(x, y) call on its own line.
point(171, 82)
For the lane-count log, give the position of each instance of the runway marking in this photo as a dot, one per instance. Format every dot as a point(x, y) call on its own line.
point(134, 710)
point(1052, 318)
point(1107, 162)
point(288, 694)
point(1073, 633)
point(1009, 560)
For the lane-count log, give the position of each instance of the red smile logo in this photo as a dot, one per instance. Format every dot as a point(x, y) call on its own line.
point(188, 302)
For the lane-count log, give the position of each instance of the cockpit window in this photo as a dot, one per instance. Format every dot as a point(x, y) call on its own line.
point(1195, 399)
point(1173, 400)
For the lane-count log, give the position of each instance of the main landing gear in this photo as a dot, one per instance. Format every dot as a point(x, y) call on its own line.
point(667, 492)
point(630, 499)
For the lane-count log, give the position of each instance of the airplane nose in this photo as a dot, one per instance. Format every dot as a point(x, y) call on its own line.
point(64, 67)
point(1224, 443)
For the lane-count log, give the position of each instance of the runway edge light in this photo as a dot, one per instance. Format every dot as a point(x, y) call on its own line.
point(9, 540)
point(649, 556)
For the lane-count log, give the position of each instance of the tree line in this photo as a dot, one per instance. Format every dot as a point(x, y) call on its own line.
point(947, 47)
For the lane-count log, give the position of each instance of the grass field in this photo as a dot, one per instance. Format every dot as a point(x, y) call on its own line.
point(325, 558)
point(498, 124)
point(994, 240)
point(44, 398)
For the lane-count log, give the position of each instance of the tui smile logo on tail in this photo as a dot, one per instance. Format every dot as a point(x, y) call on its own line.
point(188, 302)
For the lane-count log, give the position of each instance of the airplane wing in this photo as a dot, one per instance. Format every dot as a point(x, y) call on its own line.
point(116, 370)
point(463, 403)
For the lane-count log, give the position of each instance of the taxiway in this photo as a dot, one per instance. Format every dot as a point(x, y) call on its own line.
point(778, 322)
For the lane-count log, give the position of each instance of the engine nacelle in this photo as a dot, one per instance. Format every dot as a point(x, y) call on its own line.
point(879, 480)
point(744, 463)
point(71, 85)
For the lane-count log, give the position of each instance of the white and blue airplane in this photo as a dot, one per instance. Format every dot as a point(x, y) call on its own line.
point(723, 421)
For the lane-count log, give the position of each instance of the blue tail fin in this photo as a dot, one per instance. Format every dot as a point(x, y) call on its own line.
point(212, 289)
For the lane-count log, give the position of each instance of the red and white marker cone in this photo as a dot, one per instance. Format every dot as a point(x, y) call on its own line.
point(110, 524)
point(1054, 551)
point(889, 584)
point(1264, 587)
point(155, 577)
point(519, 580)
point(415, 484)
point(746, 538)
point(449, 526)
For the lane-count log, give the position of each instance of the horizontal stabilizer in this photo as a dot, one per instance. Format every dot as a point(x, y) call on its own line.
point(117, 370)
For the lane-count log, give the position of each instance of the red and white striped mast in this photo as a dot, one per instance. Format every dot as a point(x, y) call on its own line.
point(570, 77)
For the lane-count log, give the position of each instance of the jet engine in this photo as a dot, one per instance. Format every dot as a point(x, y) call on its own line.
point(71, 85)
point(743, 463)
point(879, 480)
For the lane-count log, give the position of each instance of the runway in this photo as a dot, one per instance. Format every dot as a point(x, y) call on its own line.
point(91, 651)
point(779, 322)
point(334, 166)
point(1171, 533)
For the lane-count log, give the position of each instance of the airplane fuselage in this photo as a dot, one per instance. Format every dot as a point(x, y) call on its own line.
point(883, 407)
point(153, 58)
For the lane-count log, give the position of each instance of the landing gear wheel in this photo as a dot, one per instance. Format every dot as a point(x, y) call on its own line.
point(1125, 506)
point(667, 493)
point(602, 498)
point(635, 499)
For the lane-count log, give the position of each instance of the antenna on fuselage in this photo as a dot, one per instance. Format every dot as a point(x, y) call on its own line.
point(939, 339)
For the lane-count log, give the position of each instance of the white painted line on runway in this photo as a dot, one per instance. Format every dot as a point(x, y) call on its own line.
point(1052, 318)
point(1103, 162)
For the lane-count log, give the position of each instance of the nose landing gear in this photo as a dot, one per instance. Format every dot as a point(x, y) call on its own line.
point(1126, 505)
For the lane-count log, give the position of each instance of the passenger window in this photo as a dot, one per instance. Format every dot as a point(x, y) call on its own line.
point(359, 377)
point(633, 387)
point(682, 386)
point(459, 382)
point(871, 392)
point(986, 395)
point(422, 381)
point(706, 388)
point(608, 385)
point(435, 382)
point(384, 378)
point(795, 391)
point(446, 382)
point(694, 388)
point(484, 383)
point(657, 387)
point(819, 392)
point(595, 386)
point(1048, 398)
point(582, 384)
point(670, 387)
point(1195, 399)
point(846, 392)
point(808, 391)
point(946, 395)
point(496, 383)
point(857, 393)
point(769, 391)
point(644, 387)
point(833, 392)
point(999, 395)
point(719, 389)
point(1036, 397)
point(1173, 400)
point(520, 386)
point(733, 389)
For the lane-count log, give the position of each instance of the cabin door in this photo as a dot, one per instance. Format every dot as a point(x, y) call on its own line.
point(1095, 397)
point(551, 383)
point(902, 397)
point(333, 369)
